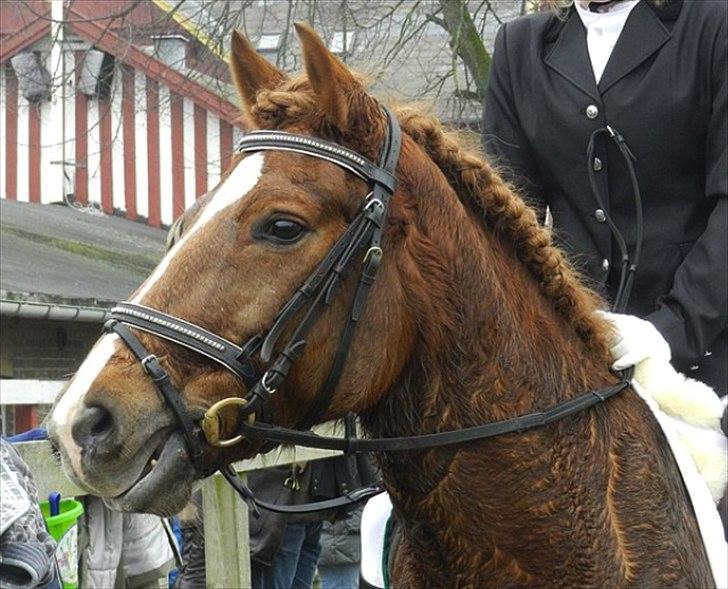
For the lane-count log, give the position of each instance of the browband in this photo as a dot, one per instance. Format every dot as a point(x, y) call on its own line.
point(311, 146)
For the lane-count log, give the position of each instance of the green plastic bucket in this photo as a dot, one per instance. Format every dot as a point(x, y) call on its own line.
point(63, 527)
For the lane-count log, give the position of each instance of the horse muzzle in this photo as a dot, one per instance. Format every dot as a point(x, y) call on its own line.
point(164, 485)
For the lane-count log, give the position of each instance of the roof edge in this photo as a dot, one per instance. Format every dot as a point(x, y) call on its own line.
point(104, 39)
point(52, 312)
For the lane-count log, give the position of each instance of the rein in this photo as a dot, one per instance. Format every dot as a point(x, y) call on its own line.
point(364, 231)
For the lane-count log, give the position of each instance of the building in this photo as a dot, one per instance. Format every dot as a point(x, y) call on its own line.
point(62, 269)
point(91, 117)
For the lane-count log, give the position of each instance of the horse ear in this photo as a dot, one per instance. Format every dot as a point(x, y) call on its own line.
point(332, 82)
point(251, 72)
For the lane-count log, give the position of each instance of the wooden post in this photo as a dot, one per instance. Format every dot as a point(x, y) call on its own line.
point(227, 560)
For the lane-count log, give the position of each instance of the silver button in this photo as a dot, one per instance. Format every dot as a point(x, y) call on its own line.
point(592, 111)
point(694, 367)
point(605, 265)
point(600, 216)
point(597, 164)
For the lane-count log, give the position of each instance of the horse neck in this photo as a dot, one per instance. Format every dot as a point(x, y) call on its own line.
point(490, 347)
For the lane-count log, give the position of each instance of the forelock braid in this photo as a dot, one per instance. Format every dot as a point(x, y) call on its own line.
point(284, 104)
point(484, 191)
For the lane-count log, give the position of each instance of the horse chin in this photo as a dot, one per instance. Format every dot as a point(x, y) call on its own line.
point(164, 487)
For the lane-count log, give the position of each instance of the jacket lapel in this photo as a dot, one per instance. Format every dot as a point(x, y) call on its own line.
point(643, 34)
point(570, 56)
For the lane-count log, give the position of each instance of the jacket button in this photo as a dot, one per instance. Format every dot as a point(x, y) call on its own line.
point(605, 265)
point(597, 164)
point(600, 216)
point(592, 111)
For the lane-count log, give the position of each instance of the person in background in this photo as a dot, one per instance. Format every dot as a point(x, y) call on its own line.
point(122, 550)
point(339, 563)
point(284, 549)
point(27, 550)
point(653, 74)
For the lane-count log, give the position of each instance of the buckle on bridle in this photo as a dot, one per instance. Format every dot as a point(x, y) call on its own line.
point(372, 201)
point(144, 361)
point(153, 368)
point(264, 383)
point(210, 423)
point(375, 250)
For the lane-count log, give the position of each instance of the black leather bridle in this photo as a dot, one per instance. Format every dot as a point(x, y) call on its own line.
point(364, 231)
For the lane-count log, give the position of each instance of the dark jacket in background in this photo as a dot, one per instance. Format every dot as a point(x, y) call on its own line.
point(318, 480)
point(664, 88)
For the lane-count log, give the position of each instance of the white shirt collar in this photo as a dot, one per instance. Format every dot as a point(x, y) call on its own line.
point(602, 32)
point(616, 12)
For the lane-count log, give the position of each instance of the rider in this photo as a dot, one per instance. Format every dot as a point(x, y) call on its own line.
point(655, 72)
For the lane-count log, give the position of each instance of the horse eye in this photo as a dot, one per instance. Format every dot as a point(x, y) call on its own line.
point(284, 230)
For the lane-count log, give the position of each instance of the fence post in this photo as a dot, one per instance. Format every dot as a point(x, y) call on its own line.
point(227, 553)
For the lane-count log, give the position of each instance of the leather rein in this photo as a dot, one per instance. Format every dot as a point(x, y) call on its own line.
point(254, 410)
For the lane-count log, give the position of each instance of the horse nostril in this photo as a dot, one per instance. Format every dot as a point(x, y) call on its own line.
point(93, 425)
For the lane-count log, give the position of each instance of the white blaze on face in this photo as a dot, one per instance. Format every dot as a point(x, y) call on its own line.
point(65, 411)
point(238, 184)
point(240, 181)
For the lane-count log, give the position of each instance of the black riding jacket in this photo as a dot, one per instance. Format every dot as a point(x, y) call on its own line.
point(664, 89)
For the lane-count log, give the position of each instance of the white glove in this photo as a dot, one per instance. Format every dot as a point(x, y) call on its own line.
point(634, 340)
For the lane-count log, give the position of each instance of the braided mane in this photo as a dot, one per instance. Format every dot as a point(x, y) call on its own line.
point(479, 187)
point(482, 190)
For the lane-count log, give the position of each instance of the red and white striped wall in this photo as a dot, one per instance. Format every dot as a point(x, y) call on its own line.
point(149, 151)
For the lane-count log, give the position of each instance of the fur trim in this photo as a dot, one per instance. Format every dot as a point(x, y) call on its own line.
point(680, 397)
point(696, 410)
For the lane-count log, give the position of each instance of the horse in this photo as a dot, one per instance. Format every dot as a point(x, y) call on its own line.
point(475, 317)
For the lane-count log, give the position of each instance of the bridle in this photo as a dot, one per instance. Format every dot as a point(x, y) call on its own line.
point(364, 234)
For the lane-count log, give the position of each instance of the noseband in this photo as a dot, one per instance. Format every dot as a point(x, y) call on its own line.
point(365, 231)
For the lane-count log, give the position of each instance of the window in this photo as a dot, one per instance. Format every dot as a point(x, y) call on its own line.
point(269, 42)
point(337, 42)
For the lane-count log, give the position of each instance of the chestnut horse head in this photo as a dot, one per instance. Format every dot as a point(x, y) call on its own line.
point(474, 317)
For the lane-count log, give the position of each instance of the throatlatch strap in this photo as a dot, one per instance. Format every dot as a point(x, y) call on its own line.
point(375, 211)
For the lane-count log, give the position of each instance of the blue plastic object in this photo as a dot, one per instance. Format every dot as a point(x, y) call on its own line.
point(54, 502)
